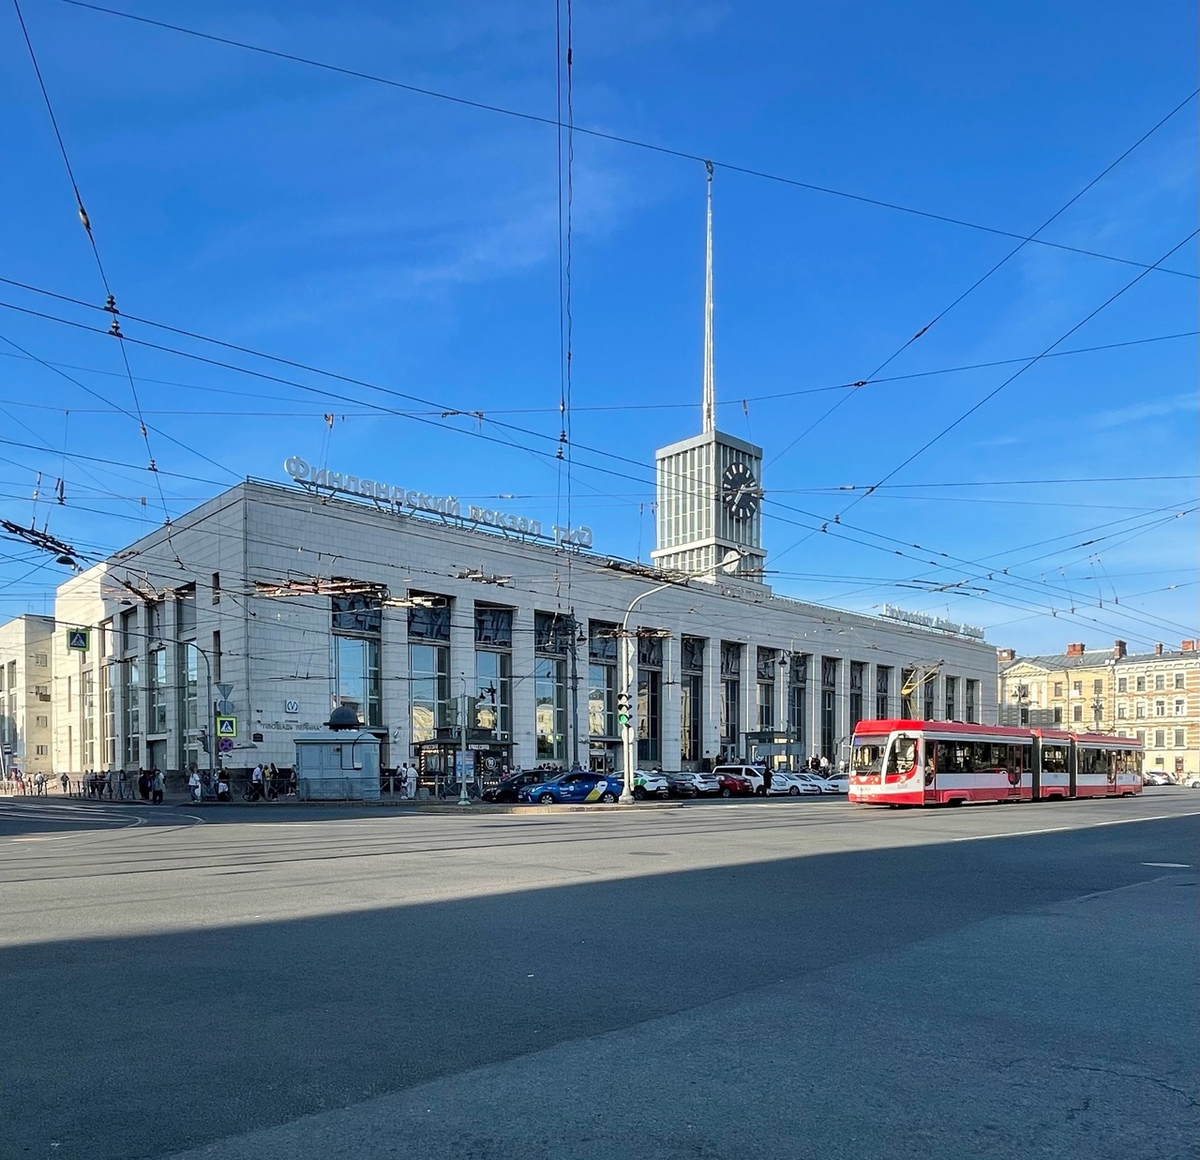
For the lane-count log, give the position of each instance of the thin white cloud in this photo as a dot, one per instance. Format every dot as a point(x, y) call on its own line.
point(1152, 409)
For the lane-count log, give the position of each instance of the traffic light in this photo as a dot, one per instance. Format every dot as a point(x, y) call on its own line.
point(202, 739)
point(624, 711)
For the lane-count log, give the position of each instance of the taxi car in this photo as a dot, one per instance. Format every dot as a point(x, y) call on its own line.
point(577, 785)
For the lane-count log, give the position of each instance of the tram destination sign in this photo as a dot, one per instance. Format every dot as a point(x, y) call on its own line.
point(448, 507)
point(924, 620)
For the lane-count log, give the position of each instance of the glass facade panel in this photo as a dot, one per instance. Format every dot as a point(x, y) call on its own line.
point(829, 738)
point(731, 693)
point(951, 698)
point(131, 700)
point(550, 707)
point(157, 704)
point(972, 701)
point(858, 679)
point(493, 681)
point(883, 692)
point(429, 667)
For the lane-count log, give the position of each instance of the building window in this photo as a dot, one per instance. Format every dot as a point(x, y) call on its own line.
point(357, 623)
point(1058, 688)
point(1180, 707)
point(1179, 742)
point(1076, 712)
point(185, 611)
point(649, 699)
point(130, 695)
point(1140, 684)
point(731, 694)
point(1058, 716)
point(216, 587)
point(1122, 684)
point(1121, 710)
point(603, 680)
point(87, 705)
point(908, 686)
point(551, 633)
point(42, 751)
point(154, 620)
point(766, 690)
point(1097, 686)
point(1160, 708)
point(189, 703)
point(1140, 709)
point(1077, 687)
point(798, 702)
point(1159, 738)
point(951, 698)
point(1179, 680)
point(42, 722)
point(429, 682)
point(972, 701)
point(858, 678)
point(691, 697)
point(40, 660)
point(493, 670)
point(157, 704)
point(883, 689)
point(1160, 682)
point(129, 631)
point(108, 697)
point(829, 678)
point(929, 696)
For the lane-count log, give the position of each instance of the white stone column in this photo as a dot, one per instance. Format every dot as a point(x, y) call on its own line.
point(395, 673)
point(524, 710)
point(670, 703)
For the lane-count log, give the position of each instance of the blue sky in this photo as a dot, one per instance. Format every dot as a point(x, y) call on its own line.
point(413, 243)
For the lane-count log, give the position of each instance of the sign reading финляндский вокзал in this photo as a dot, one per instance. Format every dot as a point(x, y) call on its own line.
point(447, 506)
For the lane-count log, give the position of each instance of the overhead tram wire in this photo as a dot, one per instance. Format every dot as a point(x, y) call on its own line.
point(813, 527)
point(989, 396)
point(85, 221)
point(984, 277)
point(615, 138)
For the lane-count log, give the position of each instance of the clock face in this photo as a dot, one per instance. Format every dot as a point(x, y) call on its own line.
point(739, 490)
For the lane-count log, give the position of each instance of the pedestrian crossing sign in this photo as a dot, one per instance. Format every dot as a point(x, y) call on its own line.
point(77, 639)
point(226, 726)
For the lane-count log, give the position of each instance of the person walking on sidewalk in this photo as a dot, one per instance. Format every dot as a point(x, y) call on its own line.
point(65, 781)
point(194, 784)
point(157, 785)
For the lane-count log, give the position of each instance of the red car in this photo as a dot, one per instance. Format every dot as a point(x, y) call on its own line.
point(732, 783)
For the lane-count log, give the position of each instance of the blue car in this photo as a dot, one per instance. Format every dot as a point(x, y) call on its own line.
point(580, 785)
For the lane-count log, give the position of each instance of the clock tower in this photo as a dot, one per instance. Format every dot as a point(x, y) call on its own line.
point(709, 490)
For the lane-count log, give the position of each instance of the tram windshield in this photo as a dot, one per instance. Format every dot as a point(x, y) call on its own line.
point(903, 754)
point(867, 755)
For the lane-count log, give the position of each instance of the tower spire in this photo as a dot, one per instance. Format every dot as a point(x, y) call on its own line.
point(710, 396)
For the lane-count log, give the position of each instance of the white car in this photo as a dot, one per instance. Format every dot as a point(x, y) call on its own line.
point(837, 783)
point(690, 783)
point(647, 783)
point(783, 782)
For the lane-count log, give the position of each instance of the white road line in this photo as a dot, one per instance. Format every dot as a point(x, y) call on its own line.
point(1064, 829)
point(1169, 865)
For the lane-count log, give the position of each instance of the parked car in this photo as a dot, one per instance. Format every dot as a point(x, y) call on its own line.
point(507, 789)
point(648, 783)
point(751, 773)
point(1153, 777)
point(1193, 783)
point(732, 783)
point(783, 782)
point(579, 785)
point(837, 783)
point(689, 784)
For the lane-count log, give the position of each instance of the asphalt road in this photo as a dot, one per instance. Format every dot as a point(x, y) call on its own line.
point(787, 979)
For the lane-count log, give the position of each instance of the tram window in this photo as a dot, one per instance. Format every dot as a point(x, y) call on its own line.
point(903, 754)
point(946, 762)
point(1026, 756)
point(984, 758)
point(1054, 759)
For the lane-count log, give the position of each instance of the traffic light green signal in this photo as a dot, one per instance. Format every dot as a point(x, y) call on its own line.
point(624, 711)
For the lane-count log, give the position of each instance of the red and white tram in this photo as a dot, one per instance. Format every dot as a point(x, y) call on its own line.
point(925, 763)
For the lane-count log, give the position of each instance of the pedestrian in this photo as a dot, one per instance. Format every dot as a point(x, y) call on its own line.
point(256, 783)
point(824, 765)
point(40, 783)
point(766, 779)
point(410, 780)
point(194, 784)
point(271, 775)
point(158, 783)
point(222, 787)
point(122, 784)
point(65, 781)
point(143, 784)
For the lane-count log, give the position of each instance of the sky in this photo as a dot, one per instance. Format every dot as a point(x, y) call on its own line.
point(874, 166)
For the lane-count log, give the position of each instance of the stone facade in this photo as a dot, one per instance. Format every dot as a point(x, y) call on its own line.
point(26, 682)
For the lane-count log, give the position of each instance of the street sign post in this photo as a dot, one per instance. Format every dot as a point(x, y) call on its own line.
point(77, 639)
point(225, 745)
point(226, 728)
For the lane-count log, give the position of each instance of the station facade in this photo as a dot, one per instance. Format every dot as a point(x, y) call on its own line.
point(279, 603)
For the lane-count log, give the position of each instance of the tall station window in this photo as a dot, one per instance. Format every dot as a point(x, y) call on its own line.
point(87, 699)
point(551, 639)
point(131, 700)
point(929, 696)
point(603, 680)
point(108, 698)
point(972, 701)
point(858, 678)
point(829, 678)
point(429, 666)
point(649, 699)
point(691, 697)
point(731, 695)
point(797, 723)
point(493, 670)
point(189, 702)
point(883, 692)
point(157, 700)
point(765, 696)
point(951, 698)
point(354, 646)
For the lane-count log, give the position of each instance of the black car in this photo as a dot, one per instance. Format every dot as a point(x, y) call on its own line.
point(506, 789)
point(681, 785)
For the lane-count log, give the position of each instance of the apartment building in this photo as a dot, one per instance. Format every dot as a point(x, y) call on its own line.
point(26, 683)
